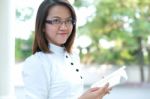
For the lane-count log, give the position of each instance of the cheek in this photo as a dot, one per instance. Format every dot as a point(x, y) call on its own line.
point(50, 31)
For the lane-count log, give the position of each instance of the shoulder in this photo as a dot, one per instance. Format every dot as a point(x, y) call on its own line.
point(33, 61)
point(33, 58)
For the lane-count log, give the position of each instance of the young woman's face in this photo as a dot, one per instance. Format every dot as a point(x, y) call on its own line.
point(58, 26)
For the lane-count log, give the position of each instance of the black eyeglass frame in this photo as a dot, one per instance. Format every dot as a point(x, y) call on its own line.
point(51, 22)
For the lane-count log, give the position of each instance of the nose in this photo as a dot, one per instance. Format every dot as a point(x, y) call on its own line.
point(63, 26)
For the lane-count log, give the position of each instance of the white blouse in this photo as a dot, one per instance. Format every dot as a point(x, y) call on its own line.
point(52, 76)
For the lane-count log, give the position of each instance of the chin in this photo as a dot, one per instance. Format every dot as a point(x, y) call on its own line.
point(61, 44)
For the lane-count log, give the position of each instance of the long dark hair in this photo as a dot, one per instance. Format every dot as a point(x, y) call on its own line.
point(40, 41)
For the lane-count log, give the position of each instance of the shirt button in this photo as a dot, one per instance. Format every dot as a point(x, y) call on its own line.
point(77, 70)
point(66, 56)
point(71, 63)
point(81, 77)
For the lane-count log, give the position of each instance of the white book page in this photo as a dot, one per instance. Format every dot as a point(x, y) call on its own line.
point(113, 79)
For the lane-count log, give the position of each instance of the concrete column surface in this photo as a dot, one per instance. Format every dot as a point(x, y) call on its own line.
point(7, 45)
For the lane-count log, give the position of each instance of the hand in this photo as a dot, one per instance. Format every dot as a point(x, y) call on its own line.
point(96, 93)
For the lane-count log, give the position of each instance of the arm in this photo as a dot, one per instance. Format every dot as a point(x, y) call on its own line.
point(35, 81)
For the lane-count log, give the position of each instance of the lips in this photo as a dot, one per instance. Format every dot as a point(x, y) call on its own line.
point(63, 33)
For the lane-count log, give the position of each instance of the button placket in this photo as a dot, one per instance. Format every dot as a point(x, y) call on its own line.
point(68, 57)
point(70, 62)
point(77, 70)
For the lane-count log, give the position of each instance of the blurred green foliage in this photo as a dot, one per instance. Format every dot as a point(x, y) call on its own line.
point(124, 22)
point(23, 48)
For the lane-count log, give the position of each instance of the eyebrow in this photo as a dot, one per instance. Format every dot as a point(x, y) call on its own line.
point(57, 17)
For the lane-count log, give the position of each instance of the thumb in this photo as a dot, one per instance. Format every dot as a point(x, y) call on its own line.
point(103, 90)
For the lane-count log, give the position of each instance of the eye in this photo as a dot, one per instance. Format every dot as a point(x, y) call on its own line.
point(56, 21)
point(70, 21)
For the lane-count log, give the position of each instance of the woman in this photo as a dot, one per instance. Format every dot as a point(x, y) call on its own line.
point(53, 71)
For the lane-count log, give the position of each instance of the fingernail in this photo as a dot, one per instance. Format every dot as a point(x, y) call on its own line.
point(107, 84)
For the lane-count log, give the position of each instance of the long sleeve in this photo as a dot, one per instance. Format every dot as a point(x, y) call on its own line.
point(35, 79)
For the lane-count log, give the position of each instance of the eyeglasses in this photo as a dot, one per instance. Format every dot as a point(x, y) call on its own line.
point(59, 22)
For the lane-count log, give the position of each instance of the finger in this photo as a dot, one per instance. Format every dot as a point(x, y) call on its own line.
point(102, 90)
point(110, 88)
point(106, 89)
point(108, 92)
point(94, 89)
point(106, 85)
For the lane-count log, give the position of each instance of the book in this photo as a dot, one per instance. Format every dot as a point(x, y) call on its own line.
point(113, 79)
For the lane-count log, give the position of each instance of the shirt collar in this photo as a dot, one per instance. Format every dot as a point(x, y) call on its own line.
point(56, 49)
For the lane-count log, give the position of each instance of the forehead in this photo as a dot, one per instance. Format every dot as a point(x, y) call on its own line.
point(59, 11)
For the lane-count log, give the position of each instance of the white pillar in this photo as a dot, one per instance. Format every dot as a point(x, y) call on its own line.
point(7, 44)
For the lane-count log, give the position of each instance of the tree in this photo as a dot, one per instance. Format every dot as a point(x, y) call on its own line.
point(126, 23)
